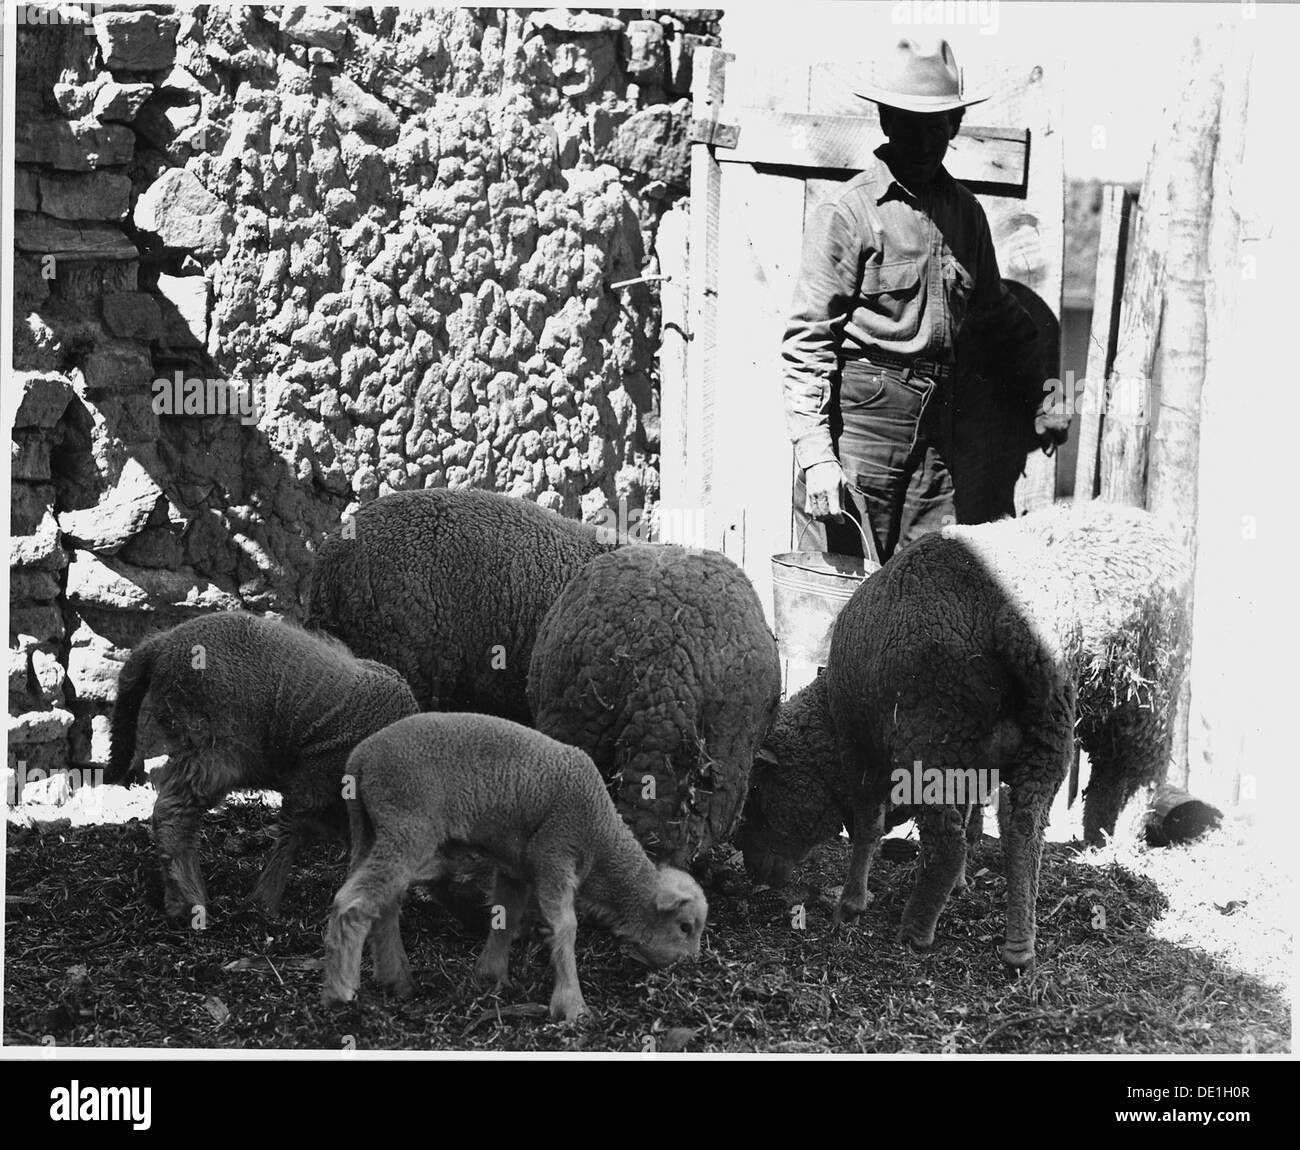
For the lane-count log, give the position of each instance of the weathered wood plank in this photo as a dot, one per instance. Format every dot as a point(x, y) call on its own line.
point(754, 460)
point(1116, 214)
point(707, 89)
point(993, 156)
point(674, 460)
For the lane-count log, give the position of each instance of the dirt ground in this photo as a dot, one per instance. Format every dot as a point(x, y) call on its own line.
point(1177, 951)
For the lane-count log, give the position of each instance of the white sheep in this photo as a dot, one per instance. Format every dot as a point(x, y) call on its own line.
point(982, 652)
point(434, 789)
point(244, 701)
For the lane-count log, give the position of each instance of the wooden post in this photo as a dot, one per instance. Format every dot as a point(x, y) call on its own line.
point(1124, 440)
point(1171, 489)
point(1179, 159)
point(1175, 439)
point(1244, 503)
point(708, 85)
point(674, 447)
point(1116, 210)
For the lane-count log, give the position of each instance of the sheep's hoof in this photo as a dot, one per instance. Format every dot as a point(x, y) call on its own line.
point(568, 1007)
point(257, 900)
point(916, 939)
point(402, 986)
point(849, 912)
point(336, 996)
point(1018, 955)
point(488, 973)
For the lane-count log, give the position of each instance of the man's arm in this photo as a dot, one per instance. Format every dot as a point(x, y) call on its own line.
point(1004, 329)
point(828, 283)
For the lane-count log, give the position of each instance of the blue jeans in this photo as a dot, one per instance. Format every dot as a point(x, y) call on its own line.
point(891, 432)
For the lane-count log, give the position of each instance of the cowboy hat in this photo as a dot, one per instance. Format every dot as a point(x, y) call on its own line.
point(918, 77)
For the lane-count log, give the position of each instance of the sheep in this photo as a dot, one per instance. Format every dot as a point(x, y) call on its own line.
point(657, 662)
point(433, 789)
point(449, 587)
point(253, 702)
point(801, 797)
point(989, 648)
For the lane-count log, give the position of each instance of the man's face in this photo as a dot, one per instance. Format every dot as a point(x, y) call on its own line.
point(918, 141)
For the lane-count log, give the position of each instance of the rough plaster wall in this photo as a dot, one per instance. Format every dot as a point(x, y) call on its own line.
point(391, 234)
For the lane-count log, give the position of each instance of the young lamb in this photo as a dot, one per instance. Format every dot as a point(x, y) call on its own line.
point(434, 789)
point(249, 702)
point(657, 661)
point(985, 648)
point(450, 588)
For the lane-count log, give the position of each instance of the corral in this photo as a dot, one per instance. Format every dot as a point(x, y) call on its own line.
point(274, 264)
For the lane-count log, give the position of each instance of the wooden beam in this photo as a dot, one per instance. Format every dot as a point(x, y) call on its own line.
point(674, 460)
point(993, 156)
point(1116, 217)
point(1175, 438)
point(708, 85)
point(1123, 470)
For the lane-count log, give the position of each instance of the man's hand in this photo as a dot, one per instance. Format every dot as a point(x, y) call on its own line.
point(1052, 429)
point(822, 484)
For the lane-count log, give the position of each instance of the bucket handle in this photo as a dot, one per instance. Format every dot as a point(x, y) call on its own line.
point(868, 541)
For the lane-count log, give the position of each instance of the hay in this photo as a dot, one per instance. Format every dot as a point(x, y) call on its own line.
point(1168, 974)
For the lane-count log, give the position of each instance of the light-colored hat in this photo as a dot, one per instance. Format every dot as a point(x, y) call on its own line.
point(918, 77)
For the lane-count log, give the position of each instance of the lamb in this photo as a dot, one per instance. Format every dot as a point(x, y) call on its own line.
point(985, 648)
point(449, 587)
point(436, 788)
point(657, 662)
point(253, 702)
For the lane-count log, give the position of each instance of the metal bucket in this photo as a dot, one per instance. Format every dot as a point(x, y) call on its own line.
point(809, 589)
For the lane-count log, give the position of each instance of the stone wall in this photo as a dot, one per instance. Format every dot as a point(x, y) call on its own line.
point(272, 263)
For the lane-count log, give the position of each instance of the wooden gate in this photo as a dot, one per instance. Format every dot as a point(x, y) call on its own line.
point(771, 141)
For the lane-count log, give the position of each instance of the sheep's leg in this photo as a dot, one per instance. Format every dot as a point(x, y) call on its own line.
point(370, 899)
point(345, 935)
point(176, 815)
point(1035, 785)
point(1102, 803)
point(1130, 751)
point(392, 969)
point(868, 826)
point(293, 828)
point(1004, 812)
point(509, 900)
point(973, 820)
point(555, 897)
point(942, 862)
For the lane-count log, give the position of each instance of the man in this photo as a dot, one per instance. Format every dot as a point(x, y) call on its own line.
point(894, 263)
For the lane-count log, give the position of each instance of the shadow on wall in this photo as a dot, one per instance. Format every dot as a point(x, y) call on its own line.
point(273, 263)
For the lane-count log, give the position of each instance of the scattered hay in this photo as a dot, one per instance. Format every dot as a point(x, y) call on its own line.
point(1181, 959)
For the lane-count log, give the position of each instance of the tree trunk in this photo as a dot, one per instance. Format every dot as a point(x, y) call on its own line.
point(1170, 239)
point(1175, 440)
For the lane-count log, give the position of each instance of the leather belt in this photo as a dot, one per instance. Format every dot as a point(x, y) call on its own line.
point(929, 368)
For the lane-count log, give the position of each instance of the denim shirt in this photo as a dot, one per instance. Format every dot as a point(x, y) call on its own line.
point(887, 269)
